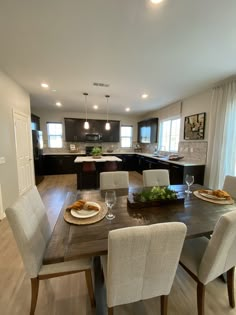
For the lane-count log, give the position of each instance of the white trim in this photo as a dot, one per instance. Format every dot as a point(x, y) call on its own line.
point(27, 117)
point(2, 214)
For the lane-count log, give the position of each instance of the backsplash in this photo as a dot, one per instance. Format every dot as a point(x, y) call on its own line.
point(80, 147)
point(194, 151)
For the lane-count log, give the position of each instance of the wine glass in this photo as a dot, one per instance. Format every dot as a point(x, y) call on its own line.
point(110, 200)
point(189, 179)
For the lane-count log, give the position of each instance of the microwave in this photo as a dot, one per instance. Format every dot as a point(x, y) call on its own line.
point(93, 137)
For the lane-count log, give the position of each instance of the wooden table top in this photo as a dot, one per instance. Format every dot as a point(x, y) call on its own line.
point(70, 241)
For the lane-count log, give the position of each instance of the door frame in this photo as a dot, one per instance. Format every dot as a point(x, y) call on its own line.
point(30, 147)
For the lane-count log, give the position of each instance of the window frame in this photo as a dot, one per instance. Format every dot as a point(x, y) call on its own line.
point(160, 144)
point(129, 137)
point(54, 135)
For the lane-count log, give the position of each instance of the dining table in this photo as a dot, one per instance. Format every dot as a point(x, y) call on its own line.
point(72, 241)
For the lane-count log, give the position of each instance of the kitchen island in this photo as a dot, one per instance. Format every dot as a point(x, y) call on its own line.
point(88, 169)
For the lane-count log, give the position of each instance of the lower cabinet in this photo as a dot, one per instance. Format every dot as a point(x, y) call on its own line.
point(177, 172)
point(129, 162)
point(59, 164)
point(64, 164)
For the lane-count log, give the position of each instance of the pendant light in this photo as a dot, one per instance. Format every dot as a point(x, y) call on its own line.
point(107, 125)
point(86, 123)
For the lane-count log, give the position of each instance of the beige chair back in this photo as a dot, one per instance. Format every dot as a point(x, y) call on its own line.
point(29, 222)
point(114, 180)
point(142, 261)
point(156, 178)
point(220, 254)
point(230, 185)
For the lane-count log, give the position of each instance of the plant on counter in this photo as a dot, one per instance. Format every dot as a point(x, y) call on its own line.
point(96, 151)
point(155, 193)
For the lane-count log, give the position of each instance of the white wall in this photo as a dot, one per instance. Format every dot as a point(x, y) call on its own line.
point(194, 105)
point(12, 96)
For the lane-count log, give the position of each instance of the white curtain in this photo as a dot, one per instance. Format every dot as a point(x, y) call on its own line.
point(223, 122)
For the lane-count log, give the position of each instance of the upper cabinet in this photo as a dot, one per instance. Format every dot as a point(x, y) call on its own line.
point(147, 130)
point(75, 132)
point(35, 122)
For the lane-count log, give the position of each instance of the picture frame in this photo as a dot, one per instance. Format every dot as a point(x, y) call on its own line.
point(194, 127)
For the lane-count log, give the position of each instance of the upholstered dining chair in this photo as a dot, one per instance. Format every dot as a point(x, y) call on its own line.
point(230, 185)
point(29, 222)
point(156, 178)
point(142, 262)
point(114, 180)
point(206, 259)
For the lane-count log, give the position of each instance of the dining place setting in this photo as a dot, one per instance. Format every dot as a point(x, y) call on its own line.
point(88, 212)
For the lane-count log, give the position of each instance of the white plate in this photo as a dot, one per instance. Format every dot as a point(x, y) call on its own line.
point(84, 213)
point(211, 196)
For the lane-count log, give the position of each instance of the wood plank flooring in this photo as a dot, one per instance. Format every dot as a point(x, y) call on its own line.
point(68, 295)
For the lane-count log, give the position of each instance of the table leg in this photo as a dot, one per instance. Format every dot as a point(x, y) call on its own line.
point(99, 287)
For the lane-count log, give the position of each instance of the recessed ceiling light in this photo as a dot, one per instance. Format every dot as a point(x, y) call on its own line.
point(58, 104)
point(95, 106)
point(156, 1)
point(127, 109)
point(54, 90)
point(44, 85)
point(144, 95)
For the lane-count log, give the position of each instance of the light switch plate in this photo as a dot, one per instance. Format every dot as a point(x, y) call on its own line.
point(2, 160)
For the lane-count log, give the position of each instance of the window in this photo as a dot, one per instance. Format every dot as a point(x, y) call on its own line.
point(126, 136)
point(54, 135)
point(169, 135)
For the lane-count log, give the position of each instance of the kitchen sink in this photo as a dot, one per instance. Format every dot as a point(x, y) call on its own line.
point(159, 155)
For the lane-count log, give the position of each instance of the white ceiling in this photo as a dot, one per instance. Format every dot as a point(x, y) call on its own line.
point(169, 51)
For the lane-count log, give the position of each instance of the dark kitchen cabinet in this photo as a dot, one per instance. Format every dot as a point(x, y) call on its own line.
point(145, 163)
point(177, 172)
point(59, 164)
point(130, 162)
point(148, 130)
point(112, 135)
point(75, 132)
point(35, 122)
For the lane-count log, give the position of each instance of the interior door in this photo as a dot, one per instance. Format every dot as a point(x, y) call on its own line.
point(23, 151)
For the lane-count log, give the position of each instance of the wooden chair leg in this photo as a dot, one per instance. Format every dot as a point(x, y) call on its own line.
point(200, 298)
point(34, 294)
point(89, 282)
point(230, 286)
point(164, 304)
point(110, 310)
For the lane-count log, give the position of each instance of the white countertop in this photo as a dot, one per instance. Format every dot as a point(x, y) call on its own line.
point(182, 162)
point(81, 159)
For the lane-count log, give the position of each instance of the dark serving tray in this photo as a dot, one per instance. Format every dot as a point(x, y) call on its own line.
point(131, 203)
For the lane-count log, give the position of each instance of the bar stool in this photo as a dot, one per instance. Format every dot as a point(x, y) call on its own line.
point(88, 176)
point(110, 166)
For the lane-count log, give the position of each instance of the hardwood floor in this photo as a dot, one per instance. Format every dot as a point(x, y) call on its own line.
point(68, 295)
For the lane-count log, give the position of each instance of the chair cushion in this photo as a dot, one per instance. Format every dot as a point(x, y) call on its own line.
point(114, 180)
point(156, 178)
point(66, 266)
point(142, 261)
point(192, 253)
point(29, 222)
